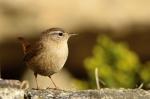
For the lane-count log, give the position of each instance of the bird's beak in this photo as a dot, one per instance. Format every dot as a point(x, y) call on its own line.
point(72, 34)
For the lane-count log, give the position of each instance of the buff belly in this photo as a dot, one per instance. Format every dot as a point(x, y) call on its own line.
point(49, 62)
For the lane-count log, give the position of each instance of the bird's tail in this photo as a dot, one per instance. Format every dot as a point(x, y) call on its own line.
point(25, 44)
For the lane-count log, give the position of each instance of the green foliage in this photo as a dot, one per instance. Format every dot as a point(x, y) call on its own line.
point(117, 65)
point(145, 73)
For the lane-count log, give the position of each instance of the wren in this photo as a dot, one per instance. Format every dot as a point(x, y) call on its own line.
point(47, 55)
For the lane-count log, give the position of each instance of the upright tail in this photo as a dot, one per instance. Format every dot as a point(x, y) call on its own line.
point(25, 44)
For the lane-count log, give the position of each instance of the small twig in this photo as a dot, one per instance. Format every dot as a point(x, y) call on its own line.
point(141, 85)
point(97, 78)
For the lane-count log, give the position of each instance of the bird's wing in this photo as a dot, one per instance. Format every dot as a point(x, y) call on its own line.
point(25, 44)
point(33, 51)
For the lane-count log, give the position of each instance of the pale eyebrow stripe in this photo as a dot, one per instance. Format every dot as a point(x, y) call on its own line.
point(52, 32)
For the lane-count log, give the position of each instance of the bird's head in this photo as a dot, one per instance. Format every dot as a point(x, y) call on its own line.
point(57, 35)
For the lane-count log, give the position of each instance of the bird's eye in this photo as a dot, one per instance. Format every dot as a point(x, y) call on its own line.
point(60, 34)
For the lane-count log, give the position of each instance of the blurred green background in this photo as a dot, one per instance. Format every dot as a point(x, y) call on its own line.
point(118, 66)
point(114, 36)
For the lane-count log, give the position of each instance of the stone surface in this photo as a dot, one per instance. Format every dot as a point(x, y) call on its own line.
point(12, 89)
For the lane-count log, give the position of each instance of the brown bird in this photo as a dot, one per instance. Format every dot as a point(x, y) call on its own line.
point(47, 55)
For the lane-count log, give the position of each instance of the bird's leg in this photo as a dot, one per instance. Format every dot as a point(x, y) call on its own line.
point(52, 82)
point(35, 75)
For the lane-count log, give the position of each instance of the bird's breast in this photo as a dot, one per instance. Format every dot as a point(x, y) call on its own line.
point(51, 59)
point(54, 57)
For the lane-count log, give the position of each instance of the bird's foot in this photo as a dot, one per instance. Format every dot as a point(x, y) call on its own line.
point(36, 88)
point(56, 88)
